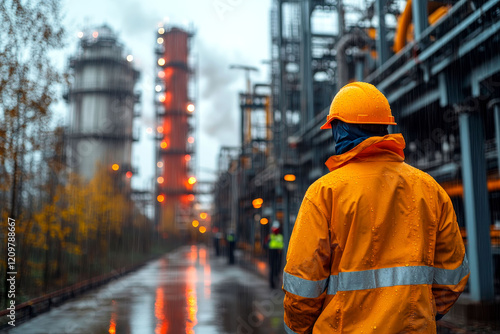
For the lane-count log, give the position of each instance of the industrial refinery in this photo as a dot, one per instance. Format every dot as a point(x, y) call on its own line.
point(201, 246)
point(437, 64)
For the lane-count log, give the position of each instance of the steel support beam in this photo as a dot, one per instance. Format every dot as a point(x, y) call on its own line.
point(306, 94)
point(476, 201)
point(340, 17)
point(419, 14)
point(496, 113)
point(382, 47)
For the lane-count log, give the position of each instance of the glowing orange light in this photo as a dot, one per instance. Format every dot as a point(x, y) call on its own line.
point(95, 34)
point(168, 97)
point(191, 299)
point(159, 164)
point(161, 61)
point(161, 98)
point(289, 177)
point(192, 180)
point(191, 140)
point(203, 215)
point(203, 229)
point(160, 198)
point(190, 107)
point(112, 325)
point(195, 223)
point(187, 157)
point(115, 167)
point(191, 197)
point(264, 221)
point(162, 325)
point(160, 180)
point(129, 174)
point(257, 203)
point(163, 145)
point(159, 129)
point(161, 74)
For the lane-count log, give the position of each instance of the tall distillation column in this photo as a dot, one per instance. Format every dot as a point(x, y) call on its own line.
point(102, 102)
point(175, 149)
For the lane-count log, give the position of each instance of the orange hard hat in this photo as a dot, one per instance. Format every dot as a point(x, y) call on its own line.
point(359, 103)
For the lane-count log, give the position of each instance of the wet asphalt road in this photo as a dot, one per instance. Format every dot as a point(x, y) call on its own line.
point(187, 291)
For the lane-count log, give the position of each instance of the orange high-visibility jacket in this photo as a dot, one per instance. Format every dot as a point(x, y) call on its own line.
point(376, 247)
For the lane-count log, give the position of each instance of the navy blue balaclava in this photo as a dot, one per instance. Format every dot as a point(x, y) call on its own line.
point(347, 136)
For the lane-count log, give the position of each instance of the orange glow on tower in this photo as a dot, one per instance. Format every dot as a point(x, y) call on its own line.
point(174, 73)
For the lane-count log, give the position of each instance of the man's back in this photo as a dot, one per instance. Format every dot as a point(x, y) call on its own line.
point(374, 248)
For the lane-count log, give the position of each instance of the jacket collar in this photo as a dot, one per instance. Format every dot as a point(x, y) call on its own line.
point(390, 147)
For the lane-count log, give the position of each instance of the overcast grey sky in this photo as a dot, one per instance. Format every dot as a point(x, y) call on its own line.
point(227, 32)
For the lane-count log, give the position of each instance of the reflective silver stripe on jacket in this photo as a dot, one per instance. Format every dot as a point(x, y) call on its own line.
point(303, 287)
point(451, 276)
point(288, 330)
point(376, 278)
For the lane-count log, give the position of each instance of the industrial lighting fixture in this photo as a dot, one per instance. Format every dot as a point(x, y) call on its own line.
point(187, 157)
point(191, 140)
point(158, 88)
point(130, 58)
point(161, 31)
point(161, 61)
point(159, 40)
point(289, 177)
point(159, 164)
point(163, 145)
point(192, 180)
point(115, 167)
point(80, 34)
point(160, 198)
point(129, 174)
point(264, 221)
point(203, 229)
point(257, 203)
point(160, 129)
point(95, 34)
point(203, 215)
point(195, 223)
point(161, 98)
point(160, 180)
point(190, 107)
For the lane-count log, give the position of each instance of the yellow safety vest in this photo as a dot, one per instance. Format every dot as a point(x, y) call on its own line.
point(276, 241)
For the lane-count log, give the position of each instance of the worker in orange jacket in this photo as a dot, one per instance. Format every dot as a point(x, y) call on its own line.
point(376, 247)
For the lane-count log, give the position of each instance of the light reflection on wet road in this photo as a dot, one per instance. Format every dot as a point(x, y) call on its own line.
point(187, 291)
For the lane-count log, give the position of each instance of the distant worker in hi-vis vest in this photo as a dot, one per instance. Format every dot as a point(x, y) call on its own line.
point(376, 247)
point(275, 253)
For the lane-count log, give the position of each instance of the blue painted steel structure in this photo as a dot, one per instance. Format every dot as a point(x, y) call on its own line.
point(443, 88)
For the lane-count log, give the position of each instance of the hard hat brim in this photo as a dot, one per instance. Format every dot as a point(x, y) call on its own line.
point(328, 122)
